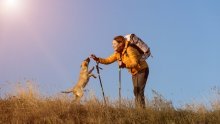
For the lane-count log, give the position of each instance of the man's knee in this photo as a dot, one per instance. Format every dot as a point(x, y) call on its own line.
point(136, 91)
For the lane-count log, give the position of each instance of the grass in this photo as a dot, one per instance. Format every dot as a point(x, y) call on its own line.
point(28, 107)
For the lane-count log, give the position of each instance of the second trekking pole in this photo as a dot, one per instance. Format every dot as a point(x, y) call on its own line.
point(119, 70)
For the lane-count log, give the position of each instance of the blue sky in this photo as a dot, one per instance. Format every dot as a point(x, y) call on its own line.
point(46, 40)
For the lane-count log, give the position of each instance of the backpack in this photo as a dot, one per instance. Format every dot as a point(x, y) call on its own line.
point(140, 45)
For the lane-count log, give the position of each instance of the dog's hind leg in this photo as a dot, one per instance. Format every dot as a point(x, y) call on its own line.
point(77, 99)
point(78, 96)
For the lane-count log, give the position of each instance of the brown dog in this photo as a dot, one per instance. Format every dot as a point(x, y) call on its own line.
point(84, 77)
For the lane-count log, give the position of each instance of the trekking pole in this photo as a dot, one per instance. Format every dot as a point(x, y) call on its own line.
point(97, 68)
point(119, 70)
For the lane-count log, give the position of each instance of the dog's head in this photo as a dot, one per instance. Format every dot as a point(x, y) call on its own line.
point(85, 63)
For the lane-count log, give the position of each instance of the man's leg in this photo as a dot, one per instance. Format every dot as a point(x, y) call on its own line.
point(139, 82)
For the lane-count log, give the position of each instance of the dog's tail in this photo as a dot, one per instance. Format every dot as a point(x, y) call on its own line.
point(67, 91)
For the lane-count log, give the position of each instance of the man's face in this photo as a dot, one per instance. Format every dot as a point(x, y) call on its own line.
point(117, 46)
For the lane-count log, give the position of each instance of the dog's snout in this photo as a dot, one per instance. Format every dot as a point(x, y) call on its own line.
point(87, 59)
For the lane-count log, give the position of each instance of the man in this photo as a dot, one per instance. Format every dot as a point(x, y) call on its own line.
point(129, 57)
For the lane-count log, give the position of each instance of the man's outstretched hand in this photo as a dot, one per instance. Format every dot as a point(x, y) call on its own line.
point(94, 57)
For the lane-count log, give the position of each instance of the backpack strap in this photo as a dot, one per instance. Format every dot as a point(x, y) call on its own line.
point(137, 48)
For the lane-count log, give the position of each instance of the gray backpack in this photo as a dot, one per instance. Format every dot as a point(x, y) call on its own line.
point(140, 45)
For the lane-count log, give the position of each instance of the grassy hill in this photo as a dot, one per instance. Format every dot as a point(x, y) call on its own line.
point(28, 107)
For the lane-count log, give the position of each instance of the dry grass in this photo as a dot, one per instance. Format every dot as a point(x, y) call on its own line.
point(28, 107)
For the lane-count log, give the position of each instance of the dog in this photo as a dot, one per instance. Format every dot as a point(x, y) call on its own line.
point(83, 80)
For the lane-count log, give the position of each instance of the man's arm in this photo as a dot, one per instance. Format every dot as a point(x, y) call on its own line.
point(112, 58)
